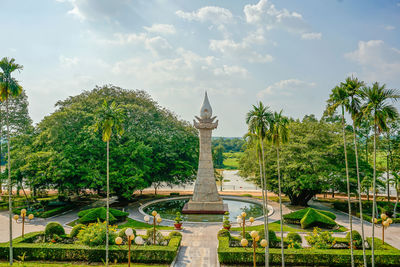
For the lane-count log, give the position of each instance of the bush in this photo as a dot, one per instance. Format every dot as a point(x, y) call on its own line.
point(357, 239)
point(160, 240)
point(273, 239)
point(294, 237)
point(95, 234)
point(224, 233)
point(53, 228)
point(75, 230)
point(92, 215)
point(296, 216)
point(122, 234)
point(320, 239)
point(174, 233)
point(316, 218)
point(174, 194)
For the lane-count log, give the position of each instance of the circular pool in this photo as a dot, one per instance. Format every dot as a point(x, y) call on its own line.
point(167, 208)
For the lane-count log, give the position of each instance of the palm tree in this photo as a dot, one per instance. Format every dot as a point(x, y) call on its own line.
point(396, 182)
point(279, 134)
point(109, 118)
point(352, 87)
point(377, 106)
point(9, 87)
point(258, 120)
point(340, 98)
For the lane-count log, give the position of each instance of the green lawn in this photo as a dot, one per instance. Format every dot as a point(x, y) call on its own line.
point(231, 160)
point(48, 264)
point(276, 226)
point(141, 225)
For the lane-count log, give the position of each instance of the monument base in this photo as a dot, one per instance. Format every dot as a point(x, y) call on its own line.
point(216, 207)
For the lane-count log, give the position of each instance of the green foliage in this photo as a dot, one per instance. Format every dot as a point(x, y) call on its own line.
point(218, 157)
point(159, 238)
point(224, 233)
point(294, 237)
point(315, 218)
point(229, 144)
point(273, 239)
point(141, 225)
point(320, 239)
point(75, 230)
point(178, 218)
point(95, 234)
point(82, 253)
point(53, 228)
point(226, 222)
point(357, 239)
point(92, 215)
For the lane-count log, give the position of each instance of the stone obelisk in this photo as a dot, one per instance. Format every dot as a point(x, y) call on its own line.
point(206, 199)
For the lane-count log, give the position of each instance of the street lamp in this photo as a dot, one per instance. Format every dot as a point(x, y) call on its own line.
point(386, 221)
point(255, 237)
point(156, 220)
point(131, 237)
point(241, 220)
point(22, 219)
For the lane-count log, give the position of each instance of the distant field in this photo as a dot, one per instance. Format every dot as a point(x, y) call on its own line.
point(231, 160)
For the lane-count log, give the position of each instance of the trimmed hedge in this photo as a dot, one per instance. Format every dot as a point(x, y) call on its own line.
point(54, 228)
point(77, 252)
point(48, 213)
point(303, 257)
point(310, 217)
point(91, 215)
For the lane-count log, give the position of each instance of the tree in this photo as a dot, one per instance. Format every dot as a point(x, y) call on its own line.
point(218, 157)
point(9, 88)
point(109, 119)
point(376, 105)
point(279, 134)
point(340, 98)
point(352, 87)
point(258, 120)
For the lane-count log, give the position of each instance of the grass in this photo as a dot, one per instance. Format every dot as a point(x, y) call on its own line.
point(141, 225)
point(49, 264)
point(276, 226)
point(231, 160)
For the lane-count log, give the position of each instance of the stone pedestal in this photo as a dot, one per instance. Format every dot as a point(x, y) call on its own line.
point(206, 199)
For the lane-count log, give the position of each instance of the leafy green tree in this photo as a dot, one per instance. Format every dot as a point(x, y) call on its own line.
point(9, 88)
point(218, 157)
point(258, 121)
point(376, 105)
point(340, 98)
point(109, 118)
point(279, 135)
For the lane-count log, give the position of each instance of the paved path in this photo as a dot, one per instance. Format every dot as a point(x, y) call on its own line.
point(392, 234)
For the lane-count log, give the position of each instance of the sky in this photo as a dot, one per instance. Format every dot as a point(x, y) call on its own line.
point(288, 54)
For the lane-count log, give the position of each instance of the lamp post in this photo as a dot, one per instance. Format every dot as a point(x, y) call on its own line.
point(131, 237)
point(21, 219)
point(386, 221)
point(156, 220)
point(255, 237)
point(241, 220)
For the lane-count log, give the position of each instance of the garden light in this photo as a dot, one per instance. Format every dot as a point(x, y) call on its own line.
point(156, 219)
point(159, 220)
point(243, 214)
point(129, 231)
point(253, 234)
point(146, 218)
point(118, 240)
point(264, 243)
point(244, 242)
point(131, 236)
point(154, 213)
point(139, 240)
point(22, 219)
point(251, 219)
point(385, 223)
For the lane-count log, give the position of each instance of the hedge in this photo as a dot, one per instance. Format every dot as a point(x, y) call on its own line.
point(303, 257)
point(310, 217)
point(91, 215)
point(48, 213)
point(78, 252)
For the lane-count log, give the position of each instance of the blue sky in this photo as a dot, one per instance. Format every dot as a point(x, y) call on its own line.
point(286, 53)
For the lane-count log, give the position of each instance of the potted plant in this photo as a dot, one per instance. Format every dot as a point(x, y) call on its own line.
point(178, 221)
point(226, 222)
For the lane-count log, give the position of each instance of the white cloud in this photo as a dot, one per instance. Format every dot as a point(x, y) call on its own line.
point(285, 87)
point(161, 29)
point(390, 27)
point(212, 14)
point(311, 36)
point(68, 61)
point(266, 15)
point(378, 60)
point(230, 70)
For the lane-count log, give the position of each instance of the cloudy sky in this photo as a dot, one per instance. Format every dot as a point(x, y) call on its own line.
point(286, 53)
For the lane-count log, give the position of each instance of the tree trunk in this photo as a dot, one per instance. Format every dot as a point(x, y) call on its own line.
point(348, 189)
point(359, 195)
point(374, 199)
point(265, 206)
point(397, 201)
point(388, 169)
point(9, 183)
point(333, 192)
point(108, 198)
point(366, 149)
point(280, 206)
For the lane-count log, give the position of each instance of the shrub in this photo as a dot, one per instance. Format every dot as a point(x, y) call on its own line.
point(122, 234)
point(174, 233)
point(223, 232)
point(174, 194)
point(92, 215)
point(294, 237)
point(95, 234)
point(75, 230)
point(53, 228)
point(296, 216)
point(160, 240)
point(357, 239)
point(316, 218)
point(273, 239)
point(320, 239)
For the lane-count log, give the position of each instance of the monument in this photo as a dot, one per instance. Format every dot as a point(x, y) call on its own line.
point(206, 199)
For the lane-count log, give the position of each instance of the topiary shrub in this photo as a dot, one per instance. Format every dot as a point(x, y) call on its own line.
point(315, 218)
point(92, 215)
point(357, 239)
point(294, 237)
point(224, 233)
point(53, 228)
point(296, 216)
point(122, 234)
point(75, 230)
point(320, 239)
point(95, 234)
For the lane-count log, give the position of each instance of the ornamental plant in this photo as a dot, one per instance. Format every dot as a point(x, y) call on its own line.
point(95, 234)
point(226, 222)
point(320, 239)
point(178, 218)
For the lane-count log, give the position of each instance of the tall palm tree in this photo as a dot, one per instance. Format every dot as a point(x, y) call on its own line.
point(378, 107)
point(279, 134)
point(396, 183)
point(340, 98)
point(352, 87)
point(258, 120)
point(109, 118)
point(9, 87)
